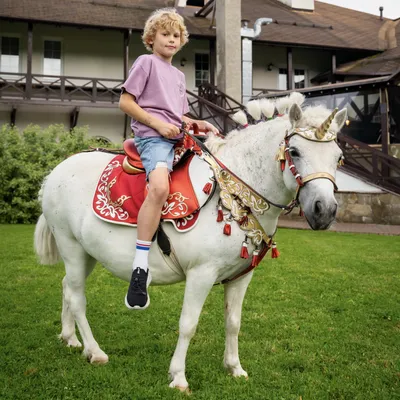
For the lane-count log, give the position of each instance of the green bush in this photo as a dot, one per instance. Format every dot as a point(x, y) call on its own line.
point(26, 158)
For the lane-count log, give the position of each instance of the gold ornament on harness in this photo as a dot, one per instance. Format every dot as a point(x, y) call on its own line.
point(234, 186)
point(280, 155)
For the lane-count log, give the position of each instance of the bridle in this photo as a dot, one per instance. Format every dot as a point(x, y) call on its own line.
point(321, 135)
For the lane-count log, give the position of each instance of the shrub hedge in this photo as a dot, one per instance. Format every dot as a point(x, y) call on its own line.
point(26, 158)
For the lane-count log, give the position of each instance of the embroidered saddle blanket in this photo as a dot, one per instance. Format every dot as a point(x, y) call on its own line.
point(119, 195)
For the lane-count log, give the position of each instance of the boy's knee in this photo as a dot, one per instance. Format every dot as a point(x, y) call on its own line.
point(159, 186)
point(159, 192)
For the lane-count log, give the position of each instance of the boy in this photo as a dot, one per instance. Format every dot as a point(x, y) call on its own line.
point(154, 95)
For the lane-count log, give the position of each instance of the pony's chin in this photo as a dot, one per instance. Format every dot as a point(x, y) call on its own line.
point(319, 224)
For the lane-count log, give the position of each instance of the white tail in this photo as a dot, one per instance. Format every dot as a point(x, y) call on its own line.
point(45, 243)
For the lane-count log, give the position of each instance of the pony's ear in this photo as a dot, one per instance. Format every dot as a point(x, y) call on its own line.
point(340, 118)
point(295, 114)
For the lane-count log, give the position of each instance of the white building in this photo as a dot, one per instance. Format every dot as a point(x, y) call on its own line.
point(64, 62)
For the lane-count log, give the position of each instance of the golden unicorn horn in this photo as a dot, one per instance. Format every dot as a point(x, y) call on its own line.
point(320, 132)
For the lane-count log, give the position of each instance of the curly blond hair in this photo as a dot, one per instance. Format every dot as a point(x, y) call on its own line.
point(164, 18)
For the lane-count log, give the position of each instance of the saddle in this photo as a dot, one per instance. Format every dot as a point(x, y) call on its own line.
point(122, 188)
point(132, 163)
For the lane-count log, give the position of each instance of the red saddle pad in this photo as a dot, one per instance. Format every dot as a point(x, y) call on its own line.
point(119, 196)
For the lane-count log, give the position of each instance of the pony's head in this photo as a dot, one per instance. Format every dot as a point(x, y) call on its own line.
point(307, 153)
point(312, 156)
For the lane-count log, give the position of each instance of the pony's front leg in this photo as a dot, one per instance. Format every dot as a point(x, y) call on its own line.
point(234, 295)
point(198, 284)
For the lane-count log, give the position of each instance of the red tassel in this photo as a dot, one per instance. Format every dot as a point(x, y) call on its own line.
point(275, 253)
point(244, 219)
point(227, 228)
point(244, 252)
point(220, 216)
point(301, 213)
point(254, 260)
point(207, 188)
point(283, 162)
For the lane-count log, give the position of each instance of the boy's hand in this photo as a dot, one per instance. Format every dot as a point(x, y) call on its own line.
point(167, 130)
point(210, 128)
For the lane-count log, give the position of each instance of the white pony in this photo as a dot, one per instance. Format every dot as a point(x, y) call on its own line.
point(68, 228)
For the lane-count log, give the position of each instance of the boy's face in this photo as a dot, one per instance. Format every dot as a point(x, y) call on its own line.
point(166, 43)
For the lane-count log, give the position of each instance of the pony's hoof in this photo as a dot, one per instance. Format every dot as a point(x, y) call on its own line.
point(182, 389)
point(70, 342)
point(98, 358)
point(239, 373)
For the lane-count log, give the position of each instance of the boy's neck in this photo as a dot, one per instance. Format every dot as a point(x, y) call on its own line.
point(168, 60)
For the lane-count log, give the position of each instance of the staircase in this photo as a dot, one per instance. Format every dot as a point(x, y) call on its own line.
point(370, 164)
point(214, 106)
point(361, 160)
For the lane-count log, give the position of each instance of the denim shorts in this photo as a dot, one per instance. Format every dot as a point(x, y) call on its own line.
point(155, 152)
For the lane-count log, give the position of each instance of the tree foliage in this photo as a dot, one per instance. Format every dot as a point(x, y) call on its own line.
point(26, 158)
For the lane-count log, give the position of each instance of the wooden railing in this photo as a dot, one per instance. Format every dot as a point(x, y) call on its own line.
point(370, 163)
point(219, 98)
point(63, 88)
point(100, 92)
point(201, 108)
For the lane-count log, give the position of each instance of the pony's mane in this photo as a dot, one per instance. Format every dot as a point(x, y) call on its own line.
point(267, 110)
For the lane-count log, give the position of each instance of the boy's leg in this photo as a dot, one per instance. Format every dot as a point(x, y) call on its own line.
point(150, 212)
point(148, 220)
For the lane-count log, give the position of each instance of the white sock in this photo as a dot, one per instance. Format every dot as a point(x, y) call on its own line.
point(142, 255)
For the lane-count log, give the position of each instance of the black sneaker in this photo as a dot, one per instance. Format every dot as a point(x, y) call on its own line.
point(137, 297)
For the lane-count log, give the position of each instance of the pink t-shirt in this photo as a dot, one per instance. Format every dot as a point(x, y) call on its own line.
point(160, 89)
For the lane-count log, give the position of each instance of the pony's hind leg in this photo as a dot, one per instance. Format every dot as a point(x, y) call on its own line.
point(78, 265)
point(68, 335)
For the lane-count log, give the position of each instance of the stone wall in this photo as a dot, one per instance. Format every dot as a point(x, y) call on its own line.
point(368, 208)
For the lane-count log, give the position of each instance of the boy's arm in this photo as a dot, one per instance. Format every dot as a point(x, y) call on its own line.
point(127, 103)
point(203, 125)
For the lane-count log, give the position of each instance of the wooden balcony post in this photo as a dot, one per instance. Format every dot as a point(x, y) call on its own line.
point(13, 116)
point(94, 91)
point(289, 68)
point(333, 71)
point(28, 87)
point(62, 88)
point(213, 59)
point(127, 38)
point(384, 127)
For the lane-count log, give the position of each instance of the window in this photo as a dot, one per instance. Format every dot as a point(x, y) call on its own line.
point(282, 80)
point(202, 68)
point(9, 60)
point(195, 3)
point(299, 79)
point(52, 57)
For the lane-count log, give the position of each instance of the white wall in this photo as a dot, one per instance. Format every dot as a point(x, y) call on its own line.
point(106, 122)
point(312, 61)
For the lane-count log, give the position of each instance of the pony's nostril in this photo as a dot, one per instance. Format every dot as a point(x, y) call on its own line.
point(317, 207)
point(334, 210)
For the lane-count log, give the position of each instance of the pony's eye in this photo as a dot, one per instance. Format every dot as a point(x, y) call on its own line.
point(294, 153)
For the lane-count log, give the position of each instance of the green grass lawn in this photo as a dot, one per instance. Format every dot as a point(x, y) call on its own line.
point(320, 322)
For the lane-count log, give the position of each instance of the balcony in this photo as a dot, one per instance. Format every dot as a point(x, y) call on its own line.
point(19, 88)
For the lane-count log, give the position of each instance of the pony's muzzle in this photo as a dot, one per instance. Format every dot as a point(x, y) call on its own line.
point(321, 213)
